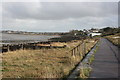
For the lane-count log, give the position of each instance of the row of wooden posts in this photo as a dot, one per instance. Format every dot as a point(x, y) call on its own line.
point(79, 49)
point(12, 47)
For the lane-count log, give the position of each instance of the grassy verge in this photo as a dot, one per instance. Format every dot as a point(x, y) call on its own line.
point(84, 73)
point(114, 39)
point(42, 63)
point(86, 69)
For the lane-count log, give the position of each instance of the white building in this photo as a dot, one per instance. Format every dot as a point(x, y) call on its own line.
point(95, 34)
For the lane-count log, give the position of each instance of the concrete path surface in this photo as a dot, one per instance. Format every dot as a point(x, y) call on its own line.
point(105, 64)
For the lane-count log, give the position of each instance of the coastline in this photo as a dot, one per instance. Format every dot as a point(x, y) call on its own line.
point(54, 42)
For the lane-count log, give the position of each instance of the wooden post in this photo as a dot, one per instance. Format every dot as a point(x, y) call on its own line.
point(34, 46)
point(8, 49)
point(73, 53)
point(50, 46)
point(21, 46)
point(78, 49)
point(84, 47)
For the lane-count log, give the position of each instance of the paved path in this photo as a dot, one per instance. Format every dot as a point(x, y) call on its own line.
point(105, 64)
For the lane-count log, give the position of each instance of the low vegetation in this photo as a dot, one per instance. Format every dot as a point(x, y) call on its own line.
point(86, 67)
point(110, 31)
point(42, 63)
point(85, 72)
point(114, 39)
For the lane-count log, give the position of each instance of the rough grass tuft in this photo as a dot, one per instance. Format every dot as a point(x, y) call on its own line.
point(41, 63)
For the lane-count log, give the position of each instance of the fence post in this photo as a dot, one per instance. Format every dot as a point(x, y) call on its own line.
point(84, 47)
point(8, 49)
point(35, 46)
point(78, 49)
point(75, 51)
point(72, 53)
point(21, 46)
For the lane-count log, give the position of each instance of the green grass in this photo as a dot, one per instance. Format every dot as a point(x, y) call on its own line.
point(84, 73)
point(91, 59)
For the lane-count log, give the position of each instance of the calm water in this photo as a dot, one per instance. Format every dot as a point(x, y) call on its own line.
point(15, 37)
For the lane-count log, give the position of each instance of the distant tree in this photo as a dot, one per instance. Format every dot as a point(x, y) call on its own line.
point(73, 32)
point(78, 33)
point(109, 31)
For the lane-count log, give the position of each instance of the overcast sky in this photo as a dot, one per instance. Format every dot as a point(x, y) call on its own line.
point(58, 16)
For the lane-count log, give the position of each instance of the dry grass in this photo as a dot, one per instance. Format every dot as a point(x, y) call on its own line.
point(42, 63)
point(114, 39)
point(59, 44)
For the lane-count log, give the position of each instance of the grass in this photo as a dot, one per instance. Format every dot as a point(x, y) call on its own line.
point(84, 72)
point(86, 69)
point(114, 39)
point(41, 63)
point(91, 59)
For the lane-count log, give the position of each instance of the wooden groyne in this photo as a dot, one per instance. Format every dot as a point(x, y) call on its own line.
point(51, 43)
point(16, 45)
point(6, 47)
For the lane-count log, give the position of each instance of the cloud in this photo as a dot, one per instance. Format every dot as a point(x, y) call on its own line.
point(56, 11)
point(62, 16)
point(61, 1)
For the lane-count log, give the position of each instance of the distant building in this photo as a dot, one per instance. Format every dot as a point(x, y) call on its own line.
point(94, 30)
point(95, 34)
point(75, 34)
point(9, 32)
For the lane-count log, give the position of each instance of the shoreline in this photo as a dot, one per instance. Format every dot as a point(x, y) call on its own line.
point(34, 34)
point(30, 34)
point(18, 38)
point(55, 42)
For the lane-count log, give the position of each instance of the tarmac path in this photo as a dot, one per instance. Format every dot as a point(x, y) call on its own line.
point(106, 61)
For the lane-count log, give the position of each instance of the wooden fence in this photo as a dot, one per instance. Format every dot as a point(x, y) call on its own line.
point(15, 46)
point(12, 47)
point(78, 50)
point(81, 49)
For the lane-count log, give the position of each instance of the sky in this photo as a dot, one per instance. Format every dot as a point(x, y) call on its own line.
point(58, 16)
